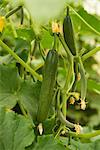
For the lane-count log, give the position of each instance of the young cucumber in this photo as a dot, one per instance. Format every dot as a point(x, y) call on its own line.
point(69, 33)
point(47, 87)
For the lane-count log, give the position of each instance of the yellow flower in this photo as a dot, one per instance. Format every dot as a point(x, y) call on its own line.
point(56, 28)
point(2, 23)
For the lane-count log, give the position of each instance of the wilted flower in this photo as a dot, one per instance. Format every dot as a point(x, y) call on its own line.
point(78, 76)
point(78, 128)
point(40, 128)
point(83, 104)
point(72, 100)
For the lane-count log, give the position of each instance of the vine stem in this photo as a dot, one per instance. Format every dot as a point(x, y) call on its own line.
point(70, 71)
point(2, 44)
point(85, 22)
point(90, 53)
point(22, 16)
point(64, 121)
point(85, 135)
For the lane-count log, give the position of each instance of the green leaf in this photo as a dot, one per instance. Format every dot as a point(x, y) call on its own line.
point(13, 90)
point(9, 83)
point(25, 33)
point(97, 145)
point(78, 145)
point(6, 59)
point(15, 131)
point(29, 96)
point(90, 19)
point(94, 86)
point(47, 142)
point(49, 125)
point(47, 40)
point(82, 27)
point(22, 48)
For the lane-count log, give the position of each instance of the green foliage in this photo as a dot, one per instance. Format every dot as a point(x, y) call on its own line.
point(91, 145)
point(48, 142)
point(15, 131)
point(25, 42)
point(90, 19)
point(13, 89)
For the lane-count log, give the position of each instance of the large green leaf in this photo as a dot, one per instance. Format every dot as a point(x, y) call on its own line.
point(9, 84)
point(26, 33)
point(78, 145)
point(28, 96)
point(13, 90)
point(15, 131)
point(47, 142)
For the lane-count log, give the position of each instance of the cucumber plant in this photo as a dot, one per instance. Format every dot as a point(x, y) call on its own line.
point(44, 86)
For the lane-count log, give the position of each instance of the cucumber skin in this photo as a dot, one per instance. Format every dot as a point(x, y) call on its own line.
point(47, 87)
point(69, 34)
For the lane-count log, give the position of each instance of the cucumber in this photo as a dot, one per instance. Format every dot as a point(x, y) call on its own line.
point(47, 87)
point(68, 33)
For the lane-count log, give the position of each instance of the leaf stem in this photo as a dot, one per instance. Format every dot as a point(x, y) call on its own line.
point(90, 53)
point(2, 44)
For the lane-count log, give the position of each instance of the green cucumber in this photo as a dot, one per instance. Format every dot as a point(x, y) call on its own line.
point(69, 33)
point(47, 87)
